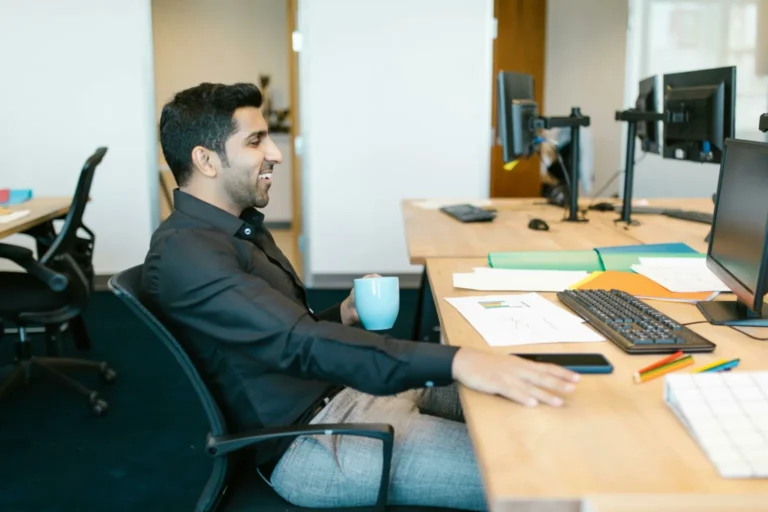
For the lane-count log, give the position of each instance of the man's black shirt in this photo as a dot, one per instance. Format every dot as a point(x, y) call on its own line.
point(235, 303)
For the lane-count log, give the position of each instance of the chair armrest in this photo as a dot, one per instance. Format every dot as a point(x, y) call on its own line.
point(217, 446)
point(26, 260)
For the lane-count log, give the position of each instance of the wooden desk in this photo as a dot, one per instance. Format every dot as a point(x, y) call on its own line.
point(657, 229)
point(433, 234)
point(615, 446)
point(41, 209)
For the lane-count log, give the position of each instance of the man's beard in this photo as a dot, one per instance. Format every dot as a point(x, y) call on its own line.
point(245, 195)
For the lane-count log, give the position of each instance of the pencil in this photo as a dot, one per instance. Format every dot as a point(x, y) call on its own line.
point(663, 370)
point(725, 366)
point(709, 366)
point(659, 363)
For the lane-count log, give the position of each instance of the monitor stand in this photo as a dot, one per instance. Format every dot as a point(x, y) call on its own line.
point(731, 312)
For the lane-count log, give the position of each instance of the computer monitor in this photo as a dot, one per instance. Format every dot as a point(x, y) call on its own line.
point(517, 110)
point(649, 100)
point(701, 108)
point(764, 123)
point(738, 246)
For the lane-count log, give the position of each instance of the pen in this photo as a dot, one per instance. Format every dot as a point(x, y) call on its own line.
point(663, 370)
point(723, 367)
point(709, 366)
point(658, 363)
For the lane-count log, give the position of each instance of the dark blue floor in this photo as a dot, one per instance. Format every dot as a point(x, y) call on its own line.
point(146, 454)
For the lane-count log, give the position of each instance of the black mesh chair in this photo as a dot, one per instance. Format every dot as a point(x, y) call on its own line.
point(244, 490)
point(53, 292)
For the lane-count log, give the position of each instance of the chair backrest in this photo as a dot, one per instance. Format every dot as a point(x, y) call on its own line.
point(127, 286)
point(64, 242)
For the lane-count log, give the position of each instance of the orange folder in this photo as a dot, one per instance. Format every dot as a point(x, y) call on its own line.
point(637, 285)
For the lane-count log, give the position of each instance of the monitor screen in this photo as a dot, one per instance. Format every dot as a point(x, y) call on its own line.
point(741, 219)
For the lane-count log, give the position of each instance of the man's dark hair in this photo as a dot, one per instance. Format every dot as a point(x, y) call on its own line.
point(201, 116)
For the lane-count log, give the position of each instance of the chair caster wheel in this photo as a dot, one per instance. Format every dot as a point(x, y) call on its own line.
point(99, 407)
point(108, 375)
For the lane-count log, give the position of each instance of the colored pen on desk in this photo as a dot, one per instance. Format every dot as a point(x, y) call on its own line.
point(658, 364)
point(724, 367)
point(663, 370)
point(709, 366)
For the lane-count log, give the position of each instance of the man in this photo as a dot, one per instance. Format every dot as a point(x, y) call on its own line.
point(215, 277)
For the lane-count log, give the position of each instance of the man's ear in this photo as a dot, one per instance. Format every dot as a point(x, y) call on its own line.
point(206, 161)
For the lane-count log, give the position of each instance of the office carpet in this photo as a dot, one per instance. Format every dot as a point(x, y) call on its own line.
point(145, 454)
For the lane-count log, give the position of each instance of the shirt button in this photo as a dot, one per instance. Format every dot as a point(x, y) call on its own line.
point(247, 231)
point(429, 383)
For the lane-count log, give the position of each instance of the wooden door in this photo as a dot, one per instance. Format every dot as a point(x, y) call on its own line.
point(519, 46)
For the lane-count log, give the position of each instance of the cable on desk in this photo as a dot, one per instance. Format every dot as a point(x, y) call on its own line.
point(695, 323)
point(747, 334)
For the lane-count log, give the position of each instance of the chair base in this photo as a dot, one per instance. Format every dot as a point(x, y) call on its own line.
point(21, 373)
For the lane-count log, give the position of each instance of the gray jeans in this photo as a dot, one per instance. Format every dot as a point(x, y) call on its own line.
point(432, 462)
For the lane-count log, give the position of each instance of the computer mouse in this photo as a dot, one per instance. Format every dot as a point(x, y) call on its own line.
point(538, 225)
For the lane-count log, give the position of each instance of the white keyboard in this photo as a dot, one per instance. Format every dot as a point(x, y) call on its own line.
point(727, 414)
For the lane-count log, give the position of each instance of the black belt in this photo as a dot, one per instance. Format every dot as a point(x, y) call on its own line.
point(320, 404)
point(312, 411)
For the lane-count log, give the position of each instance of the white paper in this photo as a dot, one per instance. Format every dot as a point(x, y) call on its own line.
point(435, 204)
point(673, 262)
point(691, 278)
point(509, 280)
point(13, 216)
point(526, 319)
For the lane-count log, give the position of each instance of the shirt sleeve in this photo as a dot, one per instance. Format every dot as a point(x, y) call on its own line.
point(202, 286)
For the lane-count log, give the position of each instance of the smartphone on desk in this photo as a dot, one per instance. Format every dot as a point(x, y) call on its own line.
point(576, 362)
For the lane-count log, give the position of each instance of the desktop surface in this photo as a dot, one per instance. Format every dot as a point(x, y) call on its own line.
point(615, 444)
point(41, 209)
point(433, 234)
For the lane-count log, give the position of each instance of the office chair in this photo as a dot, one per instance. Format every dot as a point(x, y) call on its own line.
point(226, 490)
point(53, 291)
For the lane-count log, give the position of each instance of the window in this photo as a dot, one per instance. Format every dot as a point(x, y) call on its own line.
point(685, 35)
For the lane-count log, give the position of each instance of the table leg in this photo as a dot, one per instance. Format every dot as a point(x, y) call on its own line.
point(426, 324)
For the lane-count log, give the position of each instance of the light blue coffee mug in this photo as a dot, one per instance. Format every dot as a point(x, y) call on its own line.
point(378, 301)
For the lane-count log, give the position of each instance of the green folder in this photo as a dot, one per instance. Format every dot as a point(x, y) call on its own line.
point(606, 258)
point(587, 260)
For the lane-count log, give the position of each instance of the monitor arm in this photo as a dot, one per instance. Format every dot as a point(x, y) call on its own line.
point(632, 117)
point(764, 123)
point(575, 121)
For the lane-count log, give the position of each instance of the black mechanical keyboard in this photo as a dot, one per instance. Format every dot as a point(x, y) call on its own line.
point(468, 213)
point(632, 325)
point(704, 218)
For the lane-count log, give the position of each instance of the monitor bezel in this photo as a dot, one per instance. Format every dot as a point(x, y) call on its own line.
point(752, 299)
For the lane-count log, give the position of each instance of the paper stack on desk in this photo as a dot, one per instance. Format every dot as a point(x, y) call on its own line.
point(11, 216)
point(681, 275)
point(507, 280)
point(526, 319)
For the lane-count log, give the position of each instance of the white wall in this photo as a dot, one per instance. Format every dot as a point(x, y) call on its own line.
point(225, 41)
point(395, 103)
point(77, 74)
point(585, 61)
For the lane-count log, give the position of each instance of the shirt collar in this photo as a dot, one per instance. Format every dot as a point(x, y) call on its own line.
point(250, 219)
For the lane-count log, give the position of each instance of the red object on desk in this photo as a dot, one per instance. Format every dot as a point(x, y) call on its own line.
point(5, 195)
